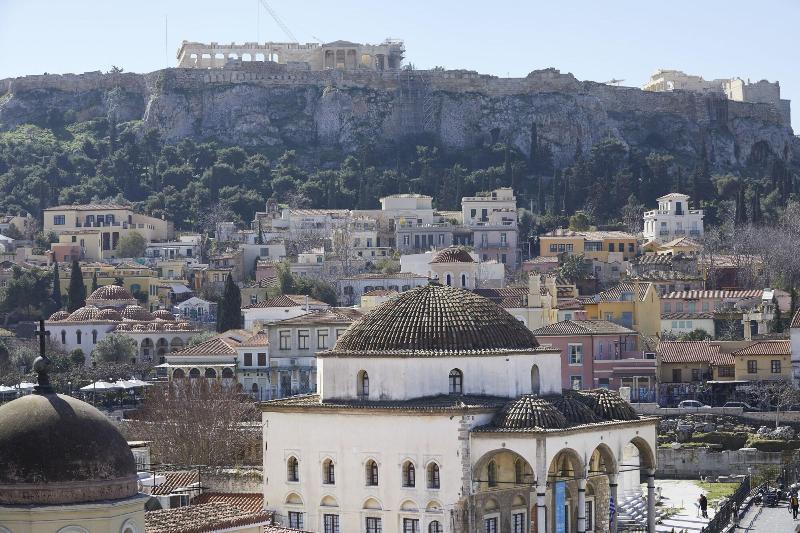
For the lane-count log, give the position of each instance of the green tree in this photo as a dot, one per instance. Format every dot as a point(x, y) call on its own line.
point(27, 294)
point(77, 357)
point(229, 310)
point(56, 297)
point(131, 245)
point(115, 348)
point(77, 289)
point(573, 268)
point(13, 233)
point(95, 286)
point(579, 222)
point(694, 335)
point(776, 326)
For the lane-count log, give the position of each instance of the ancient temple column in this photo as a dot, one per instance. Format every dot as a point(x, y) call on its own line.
point(540, 510)
point(582, 505)
point(612, 486)
point(651, 500)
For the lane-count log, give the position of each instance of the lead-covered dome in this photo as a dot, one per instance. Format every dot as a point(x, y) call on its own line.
point(84, 314)
point(59, 315)
point(529, 412)
point(606, 404)
point(111, 292)
point(452, 255)
point(163, 314)
point(58, 450)
point(109, 314)
point(136, 312)
point(575, 411)
point(436, 320)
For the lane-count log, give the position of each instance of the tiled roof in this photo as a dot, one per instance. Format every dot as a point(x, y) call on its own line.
point(529, 412)
point(542, 260)
point(282, 300)
point(111, 292)
point(281, 529)
point(606, 404)
point(780, 347)
point(717, 294)
point(796, 319)
point(686, 351)
point(583, 327)
point(614, 294)
point(87, 207)
point(575, 411)
point(334, 315)
point(175, 480)
point(653, 259)
point(202, 518)
point(215, 346)
point(257, 340)
point(722, 359)
point(686, 316)
point(569, 304)
point(681, 241)
point(453, 254)
point(380, 275)
point(380, 292)
point(667, 275)
point(436, 319)
point(426, 404)
point(250, 502)
point(507, 297)
point(264, 283)
point(590, 235)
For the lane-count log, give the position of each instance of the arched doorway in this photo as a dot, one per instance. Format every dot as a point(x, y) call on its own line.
point(504, 480)
point(567, 478)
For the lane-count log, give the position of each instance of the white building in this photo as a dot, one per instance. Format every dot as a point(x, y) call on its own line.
point(280, 308)
point(487, 274)
point(673, 219)
point(454, 423)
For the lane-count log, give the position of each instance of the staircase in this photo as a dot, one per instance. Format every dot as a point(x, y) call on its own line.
point(632, 513)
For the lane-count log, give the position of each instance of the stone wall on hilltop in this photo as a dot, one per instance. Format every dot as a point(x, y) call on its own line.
point(269, 104)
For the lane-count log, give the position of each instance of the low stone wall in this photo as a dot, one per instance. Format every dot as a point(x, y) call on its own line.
point(696, 462)
point(767, 417)
point(245, 479)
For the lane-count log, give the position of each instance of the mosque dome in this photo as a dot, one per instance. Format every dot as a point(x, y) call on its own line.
point(137, 312)
point(84, 314)
point(606, 404)
point(436, 320)
point(163, 314)
point(109, 314)
point(529, 412)
point(453, 254)
point(56, 449)
point(111, 292)
point(575, 411)
point(59, 315)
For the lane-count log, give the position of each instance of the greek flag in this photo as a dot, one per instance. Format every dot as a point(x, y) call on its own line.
point(612, 509)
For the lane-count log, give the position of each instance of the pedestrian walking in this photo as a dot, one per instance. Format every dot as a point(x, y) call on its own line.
point(704, 506)
point(794, 505)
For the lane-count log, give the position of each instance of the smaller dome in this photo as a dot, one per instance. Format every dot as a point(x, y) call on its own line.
point(109, 314)
point(136, 312)
point(452, 255)
point(573, 409)
point(606, 404)
point(84, 314)
point(529, 412)
point(163, 314)
point(59, 315)
point(111, 292)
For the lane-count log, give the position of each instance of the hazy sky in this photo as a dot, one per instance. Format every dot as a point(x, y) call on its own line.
point(595, 40)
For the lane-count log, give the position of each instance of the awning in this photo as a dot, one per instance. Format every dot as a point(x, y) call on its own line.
point(178, 288)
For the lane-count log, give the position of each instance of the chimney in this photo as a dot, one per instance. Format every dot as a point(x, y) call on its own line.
point(550, 283)
point(534, 290)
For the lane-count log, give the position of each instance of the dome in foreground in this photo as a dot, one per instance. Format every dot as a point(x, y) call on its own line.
point(59, 315)
point(109, 314)
point(136, 312)
point(573, 409)
point(56, 450)
point(436, 319)
point(111, 292)
point(452, 255)
point(529, 412)
point(606, 404)
point(84, 314)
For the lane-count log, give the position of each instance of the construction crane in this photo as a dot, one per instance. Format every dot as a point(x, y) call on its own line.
point(279, 22)
point(613, 81)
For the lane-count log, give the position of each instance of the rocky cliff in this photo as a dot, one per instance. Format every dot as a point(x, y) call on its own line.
point(268, 104)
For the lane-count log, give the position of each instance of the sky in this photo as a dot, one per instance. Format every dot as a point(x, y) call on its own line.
point(594, 40)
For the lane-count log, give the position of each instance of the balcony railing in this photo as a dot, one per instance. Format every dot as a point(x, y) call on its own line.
point(680, 232)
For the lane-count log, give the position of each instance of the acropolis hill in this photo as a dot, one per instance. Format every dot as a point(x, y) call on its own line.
point(288, 104)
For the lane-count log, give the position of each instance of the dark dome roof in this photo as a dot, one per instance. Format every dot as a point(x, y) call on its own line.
point(529, 412)
point(452, 255)
point(111, 292)
point(83, 314)
point(436, 319)
point(573, 409)
point(163, 314)
point(59, 315)
point(606, 404)
point(109, 314)
point(51, 443)
point(136, 312)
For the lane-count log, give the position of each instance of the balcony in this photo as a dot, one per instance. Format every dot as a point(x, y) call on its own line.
point(663, 232)
point(680, 232)
point(694, 232)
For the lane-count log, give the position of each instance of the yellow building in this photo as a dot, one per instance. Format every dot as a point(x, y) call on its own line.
point(605, 246)
point(683, 245)
point(630, 304)
point(764, 361)
point(136, 278)
point(700, 361)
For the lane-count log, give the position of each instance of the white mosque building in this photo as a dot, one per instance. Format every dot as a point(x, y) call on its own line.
point(440, 412)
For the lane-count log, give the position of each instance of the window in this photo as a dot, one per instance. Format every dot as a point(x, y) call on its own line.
point(262, 359)
point(456, 381)
point(503, 258)
point(575, 354)
point(264, 252)
point(705, 307)
point(631, 248)
point(775, 366)
point(611, 247)
point(302, 339)
point(78, 336)
point(253, 298)
point(676, 375)
point(679, 307)
point(576, 382)
point(409, 474)
point(295, 519)
point(328, 472)
point(285, 340)
point(372, 473)
point(463, 280)
point(553, 247)
point(292, 473)
point(373, 525)
point(667, 307)
point(519, 471)
point(490, 525)
point(435, 527)
point(518, 523)
point(340, 331)
point(363, 385)
point(562, 247)
point(410, 525)
point(752, 366)
point(330, 523)
point(322, 339)
point(726, 372)
point(248, 359)
point(63, 337)
point(433, 476)
point(570, 247)
point(696, 374)
point(503, 239)
point(589, 515)
point(491, 474)
point(59, 220)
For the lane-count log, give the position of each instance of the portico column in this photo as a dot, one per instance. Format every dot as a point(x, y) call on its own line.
point(540, 510)
point(582, 505)
point(612, 488)
point(651, 500)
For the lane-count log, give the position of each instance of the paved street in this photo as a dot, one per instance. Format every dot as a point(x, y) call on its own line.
point(769, 520)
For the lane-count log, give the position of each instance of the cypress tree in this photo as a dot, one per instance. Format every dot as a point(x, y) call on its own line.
point(229, 311)
point(77, 290)
point(57, 288)
point(94, 281)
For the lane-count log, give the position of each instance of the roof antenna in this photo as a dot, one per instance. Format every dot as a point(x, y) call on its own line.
point(42, 364)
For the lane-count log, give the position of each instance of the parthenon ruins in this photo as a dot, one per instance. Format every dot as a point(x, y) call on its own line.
point(341, 55)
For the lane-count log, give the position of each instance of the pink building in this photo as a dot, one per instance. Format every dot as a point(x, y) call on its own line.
point(601, 354)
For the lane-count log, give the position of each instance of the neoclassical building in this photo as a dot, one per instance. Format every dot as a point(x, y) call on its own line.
point(440, 412)
point(113, 309)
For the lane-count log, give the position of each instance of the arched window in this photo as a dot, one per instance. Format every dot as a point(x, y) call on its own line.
point(78, 336)
point(463, 280)
point(63, 337)
point(178, 373)
point(371, 471)
point(433, 476)
point(194, 373)
point(254, 388)
point(328, 472)
point(292, 470)
point(409, 474)
point(491, 471)
point(363, 385)
point(210, 373)
point(435, 527)
point(94, 336)
point(227, 373)
point(519, 471)
point(535, 382)
point(448, 279)
point(456, 381)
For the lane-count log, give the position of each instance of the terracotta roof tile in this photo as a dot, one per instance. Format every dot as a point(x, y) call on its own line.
point(667, 275)
point(175, 480)
point(380, 292)
point(202, 518)
point(215, 346)
point(583, 327)
point(250, 502)
point(278, 301)
point(780, 347)
point(722, 359)
point(453, 254)
point(614, 294)
point(686, 316)
point(686, 351)
point(334, 315)
point(569, 304)
point(695, 295)
point(796, 319)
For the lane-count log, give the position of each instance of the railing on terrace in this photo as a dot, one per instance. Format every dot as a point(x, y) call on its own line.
point(729, 512)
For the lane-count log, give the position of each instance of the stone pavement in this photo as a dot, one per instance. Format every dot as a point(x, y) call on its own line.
point(768, 520)
point(681, 494)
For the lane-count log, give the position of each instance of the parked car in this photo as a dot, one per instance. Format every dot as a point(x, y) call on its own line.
point(744, 405)
point(692, 404)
